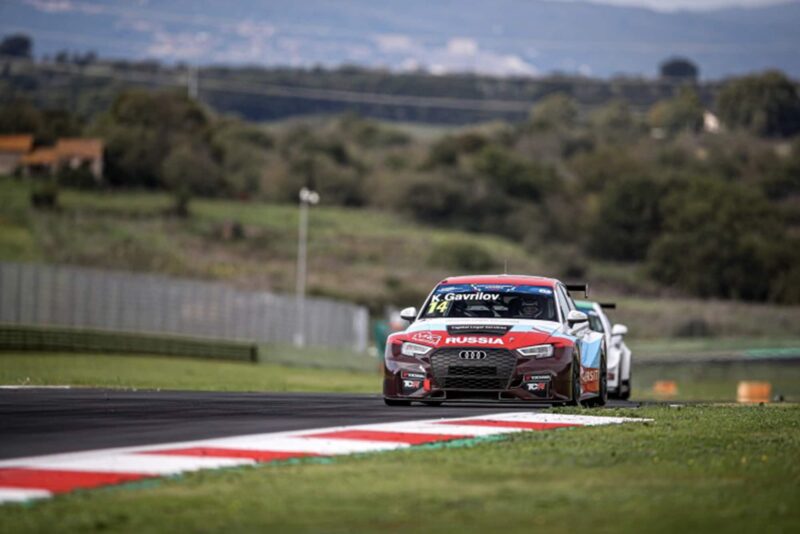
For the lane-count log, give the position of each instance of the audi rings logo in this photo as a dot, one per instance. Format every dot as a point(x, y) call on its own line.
point(472, 354)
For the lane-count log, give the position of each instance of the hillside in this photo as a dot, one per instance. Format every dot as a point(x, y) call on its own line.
point(365, 256)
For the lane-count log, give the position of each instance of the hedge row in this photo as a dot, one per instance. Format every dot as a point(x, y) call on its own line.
point(36, 338)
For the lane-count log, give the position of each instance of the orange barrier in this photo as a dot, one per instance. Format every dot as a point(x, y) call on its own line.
point(753, 391)
point(665, 388)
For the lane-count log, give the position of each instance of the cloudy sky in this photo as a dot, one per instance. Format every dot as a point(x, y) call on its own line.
point(672, 5)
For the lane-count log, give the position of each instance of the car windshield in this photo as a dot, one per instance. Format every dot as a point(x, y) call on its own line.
point(595, 323)
point(491, 301)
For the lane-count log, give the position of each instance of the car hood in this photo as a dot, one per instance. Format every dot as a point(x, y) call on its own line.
point(498, 333)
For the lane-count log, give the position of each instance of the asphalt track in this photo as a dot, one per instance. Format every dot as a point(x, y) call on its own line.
point(45, 421)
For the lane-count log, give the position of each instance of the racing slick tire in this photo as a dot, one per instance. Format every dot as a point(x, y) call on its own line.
point(602, 394)
point(625, 389)
point(396, 402)
point(576, 382)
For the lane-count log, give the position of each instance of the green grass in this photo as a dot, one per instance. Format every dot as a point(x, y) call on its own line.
point(156, 372)
point(717, 381)
point(696, 469)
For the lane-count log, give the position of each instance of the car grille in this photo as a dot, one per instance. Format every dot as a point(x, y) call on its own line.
point(490, 373)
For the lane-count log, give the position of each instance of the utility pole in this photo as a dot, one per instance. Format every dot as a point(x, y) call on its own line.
point(307, 198)
point(192, 82)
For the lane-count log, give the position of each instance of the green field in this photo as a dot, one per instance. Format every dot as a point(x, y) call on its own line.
point(695, 469)
point(157, 372)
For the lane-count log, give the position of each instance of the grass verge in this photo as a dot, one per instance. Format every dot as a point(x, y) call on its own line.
point(697, 469)
point(157, 372)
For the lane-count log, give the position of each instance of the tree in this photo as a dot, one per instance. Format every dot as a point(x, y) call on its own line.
point(18, 45)
point(628, 219)
point(187, 171)
point(555, 111)
point(766, 104)
point(719, 239)
point(139, 129)
point(683, 112)
point(679, 69)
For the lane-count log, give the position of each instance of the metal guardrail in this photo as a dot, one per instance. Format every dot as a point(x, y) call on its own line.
point(118, 301)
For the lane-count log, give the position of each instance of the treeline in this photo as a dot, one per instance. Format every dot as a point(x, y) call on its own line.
point(87, 84)
point(711, 213)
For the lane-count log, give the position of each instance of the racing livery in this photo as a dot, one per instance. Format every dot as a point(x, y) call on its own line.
point(496, 337)
point(619, 355)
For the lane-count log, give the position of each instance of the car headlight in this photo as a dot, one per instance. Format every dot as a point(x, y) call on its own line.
point(414, 349)
point(537, 351)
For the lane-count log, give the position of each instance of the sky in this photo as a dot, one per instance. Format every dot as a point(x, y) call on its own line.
point(673, 5)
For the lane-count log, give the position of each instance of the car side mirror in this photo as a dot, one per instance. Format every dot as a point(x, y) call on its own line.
point(619, 330)
point(575, 317)
point(409, 314)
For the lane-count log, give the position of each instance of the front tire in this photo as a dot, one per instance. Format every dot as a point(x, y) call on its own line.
point(396, 402)
point(575, 400)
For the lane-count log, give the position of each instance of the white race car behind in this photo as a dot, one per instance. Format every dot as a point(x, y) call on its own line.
point(618, 353)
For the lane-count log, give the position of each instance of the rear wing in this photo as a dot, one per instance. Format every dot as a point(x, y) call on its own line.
point(578, 287)
point(608, 305)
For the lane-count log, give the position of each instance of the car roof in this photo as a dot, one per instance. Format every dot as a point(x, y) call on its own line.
point(514, 279)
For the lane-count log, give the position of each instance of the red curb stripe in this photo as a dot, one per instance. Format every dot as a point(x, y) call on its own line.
point(59, 481)
point(508, 424)
point(410, 438)
point(219, 452)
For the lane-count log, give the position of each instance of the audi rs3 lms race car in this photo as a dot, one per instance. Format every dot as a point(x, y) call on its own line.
point(496, 337)
point(618, 353)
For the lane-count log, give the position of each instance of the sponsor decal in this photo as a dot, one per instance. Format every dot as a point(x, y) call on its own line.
point(537, 386)
point(479, 296)
point(472, 354)
point(427, 337)
point(589, 375)
point(411, 384)
point(407, 374)
point(536, 378)
point(473, 340)
point(489, 329)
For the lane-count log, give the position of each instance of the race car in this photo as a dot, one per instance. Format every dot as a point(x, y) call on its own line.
point(496, 337)
point(619, 355)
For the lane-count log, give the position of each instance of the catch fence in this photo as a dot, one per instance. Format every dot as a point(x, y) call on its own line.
point(78, 297)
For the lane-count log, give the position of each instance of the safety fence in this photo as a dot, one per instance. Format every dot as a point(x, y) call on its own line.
point(117, 301)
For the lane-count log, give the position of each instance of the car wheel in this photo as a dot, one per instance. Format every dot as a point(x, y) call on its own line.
point(625, 389)
point(395, 402)
point(576, 382)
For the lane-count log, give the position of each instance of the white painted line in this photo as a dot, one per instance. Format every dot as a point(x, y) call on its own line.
point(437, 428)
point(14, 386)
point(146, 464)
point(321, 446)
point(21, 495)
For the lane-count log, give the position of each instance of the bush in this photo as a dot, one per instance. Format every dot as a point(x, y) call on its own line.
point(684, 112)
point(719, 240)
point(464, 257)
point(766, 104)
point(628, 219)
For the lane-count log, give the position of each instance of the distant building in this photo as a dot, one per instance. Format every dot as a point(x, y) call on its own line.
point(75, 153)
point(12, 149)
point(68, 153)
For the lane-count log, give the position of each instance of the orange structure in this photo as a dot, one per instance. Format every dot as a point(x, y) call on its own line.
point(752, 392)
